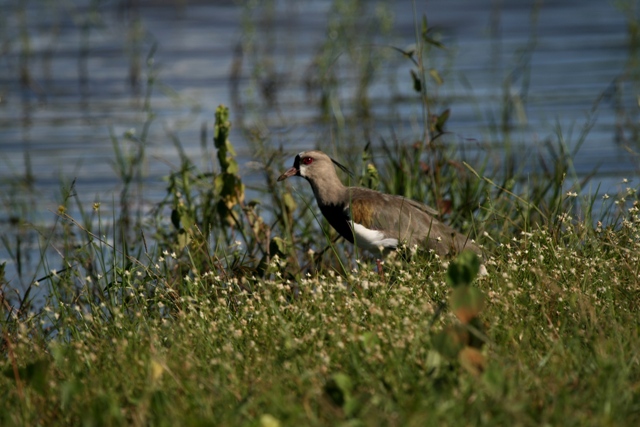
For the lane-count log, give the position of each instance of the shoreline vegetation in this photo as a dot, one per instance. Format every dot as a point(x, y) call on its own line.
point(215, 308)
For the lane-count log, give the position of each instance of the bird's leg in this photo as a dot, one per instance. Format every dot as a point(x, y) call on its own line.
point(380, 270)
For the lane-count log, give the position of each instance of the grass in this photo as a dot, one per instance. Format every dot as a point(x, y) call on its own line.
point(212, 309)
point(147, 346)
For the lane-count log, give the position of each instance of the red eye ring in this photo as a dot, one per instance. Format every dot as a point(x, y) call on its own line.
point(307, 160)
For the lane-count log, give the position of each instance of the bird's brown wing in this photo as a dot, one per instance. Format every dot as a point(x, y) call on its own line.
point(407, 221)
point(421, 206)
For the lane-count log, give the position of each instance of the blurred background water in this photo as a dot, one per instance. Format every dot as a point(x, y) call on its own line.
point(77, 77)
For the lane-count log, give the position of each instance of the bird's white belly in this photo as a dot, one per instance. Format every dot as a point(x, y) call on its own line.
point(372, 240)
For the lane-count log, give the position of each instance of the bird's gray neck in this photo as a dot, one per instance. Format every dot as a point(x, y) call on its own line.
point(328, 189)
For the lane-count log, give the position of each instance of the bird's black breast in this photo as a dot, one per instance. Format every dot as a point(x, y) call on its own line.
point(339, 220)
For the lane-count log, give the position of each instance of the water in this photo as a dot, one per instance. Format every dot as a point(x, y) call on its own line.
point(562, 56)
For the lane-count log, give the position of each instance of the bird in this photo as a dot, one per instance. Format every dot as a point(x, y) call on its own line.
point(375, 221)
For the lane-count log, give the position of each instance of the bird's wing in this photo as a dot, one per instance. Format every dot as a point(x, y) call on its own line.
point(421, 206)
point(397, 216)
point(407, 221)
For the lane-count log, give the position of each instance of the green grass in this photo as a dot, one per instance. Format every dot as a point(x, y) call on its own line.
point(560, 318)
point(224, 319)
point(212, 309)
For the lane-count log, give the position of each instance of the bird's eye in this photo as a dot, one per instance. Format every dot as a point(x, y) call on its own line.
point(307, 160)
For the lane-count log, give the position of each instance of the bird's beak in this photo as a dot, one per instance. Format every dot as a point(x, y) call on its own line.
point(291, 172)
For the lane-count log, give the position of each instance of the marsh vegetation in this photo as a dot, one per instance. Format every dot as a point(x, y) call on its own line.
point(230, 301)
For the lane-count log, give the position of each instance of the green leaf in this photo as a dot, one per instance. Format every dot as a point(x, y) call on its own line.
point(435, 75)
point(425, 34)
point(232, 166)
point(277, 246)
point(433, 42)
point(435, 360)
point(417, 82)
point(371, 178)
point(230, 189)
point(268, 420)
point(221, 128)
point(466, 303)
point(425, 27)
point(289, 203)
point(463, 269)
point(186, 219)
point(442, 120)
point(339, 388)
point(451, 341)
point(183, 239)
point(175, 218)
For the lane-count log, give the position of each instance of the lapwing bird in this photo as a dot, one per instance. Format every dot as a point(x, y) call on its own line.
point(372, 220)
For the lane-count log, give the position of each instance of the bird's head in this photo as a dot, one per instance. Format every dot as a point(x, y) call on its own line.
point(312, 164)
